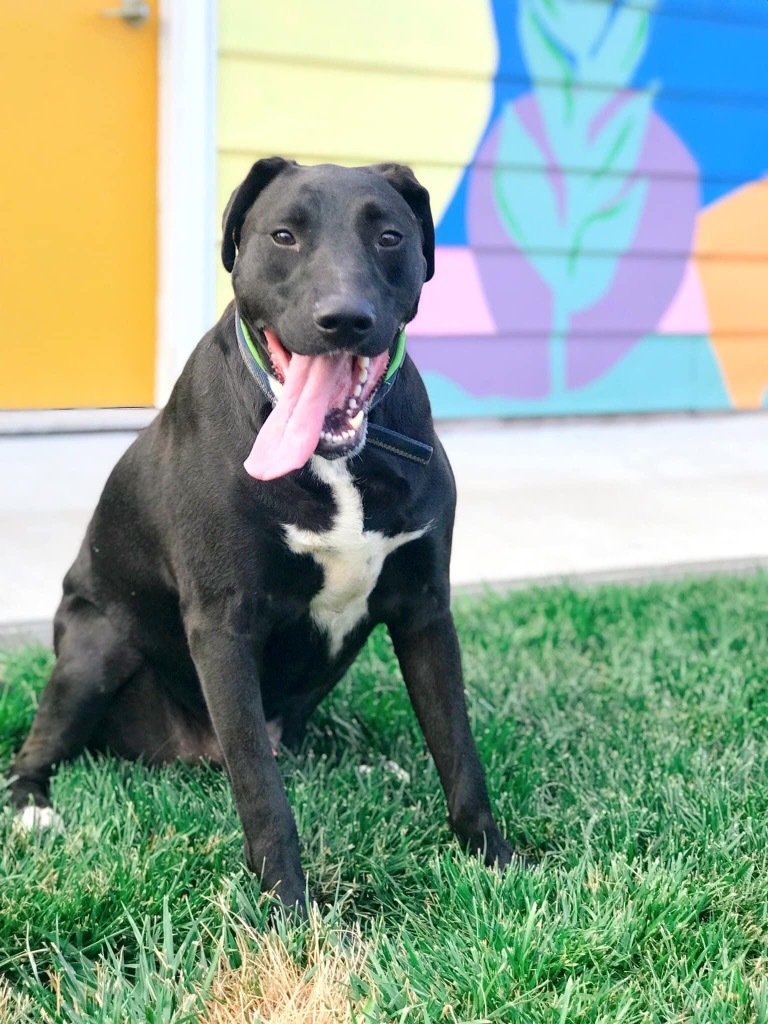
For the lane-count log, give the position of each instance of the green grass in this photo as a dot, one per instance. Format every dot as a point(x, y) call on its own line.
point(625, 736)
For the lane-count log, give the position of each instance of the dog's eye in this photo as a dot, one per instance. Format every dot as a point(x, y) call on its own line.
point(283, 237)
point(389, 239)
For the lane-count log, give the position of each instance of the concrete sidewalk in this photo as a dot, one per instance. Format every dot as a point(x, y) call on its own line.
point(537, 501)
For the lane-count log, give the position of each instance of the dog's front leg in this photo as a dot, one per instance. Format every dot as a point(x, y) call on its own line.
point(430, 661)
point(226, 661)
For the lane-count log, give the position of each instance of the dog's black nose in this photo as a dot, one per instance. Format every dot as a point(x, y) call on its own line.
point(344, 319)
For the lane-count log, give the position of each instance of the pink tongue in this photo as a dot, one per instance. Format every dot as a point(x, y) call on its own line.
point(292, 429)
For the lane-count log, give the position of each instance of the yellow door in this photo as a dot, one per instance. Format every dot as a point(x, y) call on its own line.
point(78, 109)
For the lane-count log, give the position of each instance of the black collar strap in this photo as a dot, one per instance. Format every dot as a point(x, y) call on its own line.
point(381, 437)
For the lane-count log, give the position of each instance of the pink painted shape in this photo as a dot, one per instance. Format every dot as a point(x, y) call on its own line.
point(687, 312)
point(453, 302)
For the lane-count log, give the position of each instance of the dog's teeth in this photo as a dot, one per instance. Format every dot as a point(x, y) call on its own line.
point(358, 390)
point(356, 421)
point(352, 404)
point(363, 376)
point(364, 362)
point(277, 387)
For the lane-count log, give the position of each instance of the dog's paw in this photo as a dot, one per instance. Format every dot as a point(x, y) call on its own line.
point(39, 819)
point(500, 855)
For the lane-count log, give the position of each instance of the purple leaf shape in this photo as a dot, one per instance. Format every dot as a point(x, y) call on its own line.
point(646, 280)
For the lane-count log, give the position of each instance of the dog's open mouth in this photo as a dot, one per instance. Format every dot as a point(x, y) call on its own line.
point(322, 405)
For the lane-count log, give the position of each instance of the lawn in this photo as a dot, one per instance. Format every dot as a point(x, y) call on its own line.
point(625, 735)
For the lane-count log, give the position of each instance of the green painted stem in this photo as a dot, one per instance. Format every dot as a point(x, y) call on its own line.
point(557, 353)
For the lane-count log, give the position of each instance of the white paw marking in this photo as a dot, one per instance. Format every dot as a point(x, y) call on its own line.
point(351, 558)
point(39, 819)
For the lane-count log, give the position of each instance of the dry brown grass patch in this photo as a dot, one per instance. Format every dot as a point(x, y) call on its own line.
point(270, 987)
point(12, 1006)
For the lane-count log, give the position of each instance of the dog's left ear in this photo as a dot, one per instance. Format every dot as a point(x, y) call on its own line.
point(404, 180)
point(242, 199)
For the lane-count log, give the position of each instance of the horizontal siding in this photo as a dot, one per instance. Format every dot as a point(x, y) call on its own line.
point(291, 104)
point(234, 164)
point(396, 34)
point(689, 80)
point(296, 109)
point(361, 36)
point(495, 344)
point(745, 315)
point(646, 389)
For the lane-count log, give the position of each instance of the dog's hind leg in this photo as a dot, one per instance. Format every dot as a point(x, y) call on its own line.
point(145, 723)
point(93, 662)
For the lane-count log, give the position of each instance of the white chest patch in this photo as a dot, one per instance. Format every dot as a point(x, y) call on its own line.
point(351, 558)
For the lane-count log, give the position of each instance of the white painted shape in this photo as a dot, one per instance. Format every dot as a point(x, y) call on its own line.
point(39, 819)
point(351, 558)
point(186, 304)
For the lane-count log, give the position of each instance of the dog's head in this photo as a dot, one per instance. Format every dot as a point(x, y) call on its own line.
point(327, 266)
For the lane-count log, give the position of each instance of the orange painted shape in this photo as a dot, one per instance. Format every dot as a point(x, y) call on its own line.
point(78, 106)
point(731, 252)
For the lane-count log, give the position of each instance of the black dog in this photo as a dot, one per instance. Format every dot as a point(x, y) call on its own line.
point(211, 609)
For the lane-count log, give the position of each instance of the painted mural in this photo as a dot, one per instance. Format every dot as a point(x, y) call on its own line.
point(606, 248)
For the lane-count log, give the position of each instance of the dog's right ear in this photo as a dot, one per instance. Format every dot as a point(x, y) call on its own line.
point(242, 199)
